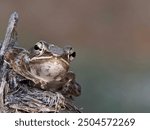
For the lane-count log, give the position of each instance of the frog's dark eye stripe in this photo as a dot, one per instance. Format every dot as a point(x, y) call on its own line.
point(36, 47)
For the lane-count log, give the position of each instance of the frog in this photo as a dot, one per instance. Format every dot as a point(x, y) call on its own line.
point(46, 65)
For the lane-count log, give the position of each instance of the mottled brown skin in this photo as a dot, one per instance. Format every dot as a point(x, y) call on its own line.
point(47, 65)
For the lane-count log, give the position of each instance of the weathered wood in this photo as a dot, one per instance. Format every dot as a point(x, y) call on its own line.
point(8, 41)
point(11, 33)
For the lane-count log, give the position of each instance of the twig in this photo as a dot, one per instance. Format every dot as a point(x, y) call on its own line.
point(10, 38)
point(10, 33)
point(3, 84)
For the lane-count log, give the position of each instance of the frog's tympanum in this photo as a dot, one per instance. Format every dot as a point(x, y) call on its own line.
point(47, 65)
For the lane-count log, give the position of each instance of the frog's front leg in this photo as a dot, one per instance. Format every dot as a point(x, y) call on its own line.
point(71, 87)
point(21, 66)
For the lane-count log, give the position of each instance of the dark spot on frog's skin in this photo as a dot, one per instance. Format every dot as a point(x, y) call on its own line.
point(49, 66)
point(49, 75)
point(38, 71)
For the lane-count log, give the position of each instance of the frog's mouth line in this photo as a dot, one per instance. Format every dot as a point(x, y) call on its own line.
point(49, 57)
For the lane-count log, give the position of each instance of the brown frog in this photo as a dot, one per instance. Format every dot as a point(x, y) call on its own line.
point(47, 65)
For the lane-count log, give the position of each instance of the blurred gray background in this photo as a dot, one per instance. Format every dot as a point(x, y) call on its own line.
point(112, 41)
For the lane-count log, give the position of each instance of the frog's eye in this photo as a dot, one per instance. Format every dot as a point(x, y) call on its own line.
point(70, 52)
point(72, 55)
point(38, 46)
